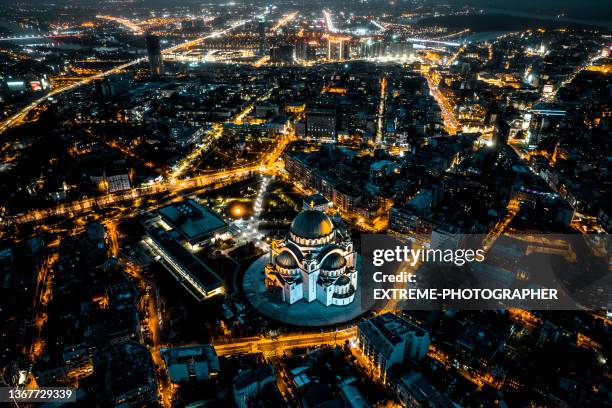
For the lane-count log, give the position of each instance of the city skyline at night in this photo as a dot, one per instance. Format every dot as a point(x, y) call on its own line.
point(305, 204)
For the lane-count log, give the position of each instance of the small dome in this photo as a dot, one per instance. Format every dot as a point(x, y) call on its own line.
point(343, 281)
point(311, 224)
point(333, 261)
point(286, 260)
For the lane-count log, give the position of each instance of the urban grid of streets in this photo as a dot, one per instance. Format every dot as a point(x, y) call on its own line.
point(176, 182)
point(267, 165)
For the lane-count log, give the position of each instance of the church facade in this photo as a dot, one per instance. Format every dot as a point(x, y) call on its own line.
point(315, 262)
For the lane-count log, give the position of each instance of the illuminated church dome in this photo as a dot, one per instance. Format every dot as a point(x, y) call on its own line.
point(311, 224)
point(286, 261)
point(314, 262)
point(333, 262)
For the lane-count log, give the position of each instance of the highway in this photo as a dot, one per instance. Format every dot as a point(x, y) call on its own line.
point(37, 37)
point(20, 115)
point(427, 41)
point(135, 28)
point(329, 22)
point(108, 200)
point(380, 116)
point(212, 180)
point(451, 124)
point(283, 21)
point(273, 346)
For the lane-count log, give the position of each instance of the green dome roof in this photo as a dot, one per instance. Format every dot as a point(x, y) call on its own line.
point(312, 224)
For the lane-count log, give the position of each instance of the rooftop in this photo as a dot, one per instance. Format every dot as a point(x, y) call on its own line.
point(200, 274)
point(192, 220)
point(392, 327)
point(188, 362)
point(250, 376)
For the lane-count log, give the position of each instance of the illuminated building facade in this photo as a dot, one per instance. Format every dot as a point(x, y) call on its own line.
point(316, 262)
point(337, 48)
point(321, 122)
point(174, 233)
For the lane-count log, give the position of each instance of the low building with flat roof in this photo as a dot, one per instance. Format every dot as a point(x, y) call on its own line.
point(193, 274)
point(130, 375)
point(197, 225)
point(190, 363)
point(249, 383)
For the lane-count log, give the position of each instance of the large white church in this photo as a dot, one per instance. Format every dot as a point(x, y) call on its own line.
point(314, 262)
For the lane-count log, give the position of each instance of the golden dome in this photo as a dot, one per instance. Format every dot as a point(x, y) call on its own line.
point(333, 262)
point(286, 260)
point(311, 224)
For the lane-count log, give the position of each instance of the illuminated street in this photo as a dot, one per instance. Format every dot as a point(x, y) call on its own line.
point(278, 345)
point(365, 204)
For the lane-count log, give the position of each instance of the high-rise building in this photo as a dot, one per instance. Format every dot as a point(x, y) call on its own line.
point(337, 49)
point(400, 50)
point(304, 51)
point(282, 54)
point(115, 84)
point(261, 29)
point(300, 49)
point(155, 56)
point(311, 53)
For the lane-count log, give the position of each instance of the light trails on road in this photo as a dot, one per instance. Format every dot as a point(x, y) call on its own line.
point(455, 34)
point(207, 140)
point(283, 21)
point(213, 180)
point(447, 43)
point(109, 200)
point(451, 124)
point(23, 112)
point(285, 342)
point(135, 28)
point(512, 209)
point(378, 25)
point(381, 111)
point(329, 23)
point(38, 37)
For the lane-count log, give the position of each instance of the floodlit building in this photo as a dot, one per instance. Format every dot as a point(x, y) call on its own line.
point(174, 233)
point(193, 274)
point(314, 262)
